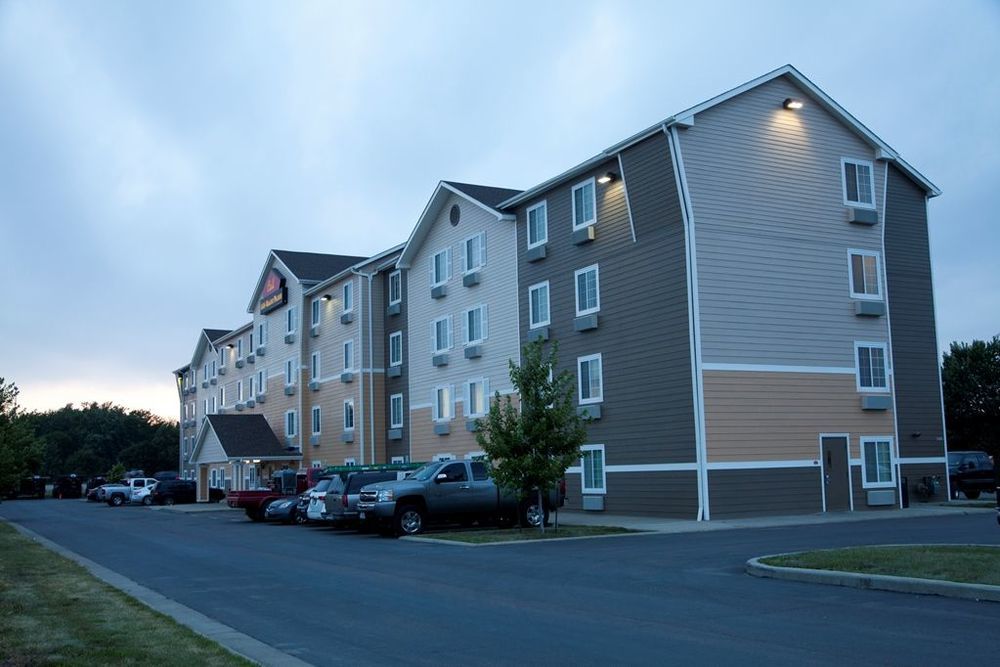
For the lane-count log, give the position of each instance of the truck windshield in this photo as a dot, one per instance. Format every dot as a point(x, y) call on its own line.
point(425, 473)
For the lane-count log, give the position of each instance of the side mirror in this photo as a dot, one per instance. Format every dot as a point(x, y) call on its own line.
point(441, 477)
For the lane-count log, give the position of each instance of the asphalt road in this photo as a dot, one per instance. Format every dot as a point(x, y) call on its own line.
point(340, 598)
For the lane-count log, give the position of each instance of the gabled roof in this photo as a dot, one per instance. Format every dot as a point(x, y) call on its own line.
point(382, 261)
point(308, 268)
point(216, 334)
point(686, 118)
point(205, 339)
point(484, 196)
point(244, 437)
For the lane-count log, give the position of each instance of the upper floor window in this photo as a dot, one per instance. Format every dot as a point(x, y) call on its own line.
point(475, 325)
point(476, 395)
point(222, 396)
point(317, 312)
point(317, 420)
point(538, 225)
point(588, 290)
point(314, 367)
point(592, 465)
point(291, 322)
point(239, 390)
point(584, 204)
point(538, 305)
point(250, 387)
point(474, 253)
point(395, 287)
point(396, 411)
point(877, 469)
point(590, 378)
point(441, 334)
point(290, 371)
point(349, 415)
point(348, 354)
point(262, 381)
point(215, 372)
point(348, 297)
point(864, 275)
point(441, 267)
point(444, 407)
point(290, 424)
point(396, 348)
point(222, 357)
point(250, 336)
point(859, 183)
point(262, 333)
point(239, 347)
point(872, 372)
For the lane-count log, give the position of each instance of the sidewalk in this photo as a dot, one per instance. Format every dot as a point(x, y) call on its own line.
point(195, 508)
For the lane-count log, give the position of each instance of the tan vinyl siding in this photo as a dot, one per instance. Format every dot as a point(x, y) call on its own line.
point(752, 416)
point(424, 443)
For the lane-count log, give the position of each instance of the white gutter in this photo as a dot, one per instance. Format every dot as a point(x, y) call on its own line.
point(371, 371)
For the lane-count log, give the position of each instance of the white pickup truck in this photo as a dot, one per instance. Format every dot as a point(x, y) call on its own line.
point(118, 494)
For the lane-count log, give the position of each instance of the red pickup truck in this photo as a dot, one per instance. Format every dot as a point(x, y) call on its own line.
point(284, 483)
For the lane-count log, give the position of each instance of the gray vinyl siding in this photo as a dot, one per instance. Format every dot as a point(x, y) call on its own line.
point(772, 234)
point(913, 473)
point(669, 494)
point(398, 385)
point(643, 336)
point(760, 492)
point(911, 314)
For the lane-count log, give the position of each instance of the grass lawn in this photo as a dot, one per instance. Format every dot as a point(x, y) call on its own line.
point(964, 564)
point(527, 534)
point(52, 611)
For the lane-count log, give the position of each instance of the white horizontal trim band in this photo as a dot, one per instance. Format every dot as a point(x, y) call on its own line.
point(762, 465)
point(922, 459)
point(769, 368)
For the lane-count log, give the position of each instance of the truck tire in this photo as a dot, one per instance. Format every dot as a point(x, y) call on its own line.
point(971, 494)
point(148, 500)
point(409, 520)
point(117, 500)
point(530, 516)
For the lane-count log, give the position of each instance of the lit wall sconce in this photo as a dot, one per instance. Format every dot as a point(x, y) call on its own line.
point(607, 177)
point(792, 104)
point(327, 297)
point(230, 346)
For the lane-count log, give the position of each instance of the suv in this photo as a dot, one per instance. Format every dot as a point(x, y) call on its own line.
point(971, 473)
point(345, 489)
point(173, 491)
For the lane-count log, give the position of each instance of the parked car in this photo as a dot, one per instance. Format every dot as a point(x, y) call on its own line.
point(67, 486)
point(92, 485)
point(317, 499)
point(174, 491)
point(143, 495)
point(286, 510)
point(342, 497)
point(164, 475)
point(29, 487)
point(971, 473)
point(121, 493)
point(254, 502)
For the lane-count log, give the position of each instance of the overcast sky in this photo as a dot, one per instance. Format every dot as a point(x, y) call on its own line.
point(151, 153)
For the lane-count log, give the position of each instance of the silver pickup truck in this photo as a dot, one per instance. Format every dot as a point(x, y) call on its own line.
point(446, 492)
point(121, 493)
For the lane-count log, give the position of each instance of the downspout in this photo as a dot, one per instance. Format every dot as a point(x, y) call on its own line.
point(371, 367)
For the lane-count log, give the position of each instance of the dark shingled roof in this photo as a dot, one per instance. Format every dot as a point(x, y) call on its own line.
point(216, 334)
point(315, 266)
point(485, 194)
point(247, 436)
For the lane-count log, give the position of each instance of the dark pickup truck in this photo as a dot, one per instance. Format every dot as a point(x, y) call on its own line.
point(446, 492)
point(971, 473)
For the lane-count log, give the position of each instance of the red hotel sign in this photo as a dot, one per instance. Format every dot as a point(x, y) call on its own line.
point(275, 294)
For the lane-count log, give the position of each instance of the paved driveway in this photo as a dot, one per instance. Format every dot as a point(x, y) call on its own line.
point(341, 598)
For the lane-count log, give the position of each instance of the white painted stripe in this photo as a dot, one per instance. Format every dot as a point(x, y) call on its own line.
point(643, 467)
point(915, 460)
point(420, 406)
point(762, 465)
point(856, 462)
point(774, 368)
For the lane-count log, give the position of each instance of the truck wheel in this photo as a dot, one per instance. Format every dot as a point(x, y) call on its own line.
point(300, 519)
point(169, 500)
point(147, 501)
point(117, 500)
point(531, 516)
point(409, 520)
point(972, 494)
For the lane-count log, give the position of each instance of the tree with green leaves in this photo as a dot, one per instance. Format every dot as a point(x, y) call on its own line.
point(530, 448)
point(970, 377)
point(20, 452)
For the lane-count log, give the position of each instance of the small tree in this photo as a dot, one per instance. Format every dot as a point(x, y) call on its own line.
point(531, 448)
point(117, 472)
point(20, 451)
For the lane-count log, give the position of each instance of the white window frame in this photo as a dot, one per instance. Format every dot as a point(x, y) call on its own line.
point(213, 481)
point(579, 378)
point(467, 397)
point(215, 409)
point(597, 288)
point(544, 208)
point(483, 324)
point(435, 349)
point(316, 464)
point(532, 324)
point(435, 406)
point(395, 278)
point(262, 333)
point(397, 460)
point(348, 354)
point(291, 424)
point(349, 412)
point(239, 391)
point(222, 357)
point(348, 296)
point(262, 381)
point(844, 161)
point(396, 342)
point(350, 462)
point(878, 274)
point(447, 267)
point(317, 312)
point(250, 385)
point(392, 414)
point(291, 320)
point(874, 440)
point(481, 247)
point(885, 366)
point(239, 347)
point(315, 366)
point(290, 374)
point(317, 419)
point(584, 486)
point(572, 198)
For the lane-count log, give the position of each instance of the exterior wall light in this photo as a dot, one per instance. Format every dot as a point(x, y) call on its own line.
point(230, 346)
point(607, 177)
point(327, 297)
point(792, 104)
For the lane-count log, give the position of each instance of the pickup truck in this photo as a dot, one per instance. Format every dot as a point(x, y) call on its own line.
point(254, 502)
point(121, 493)
point(971, 473)
point(446, 491)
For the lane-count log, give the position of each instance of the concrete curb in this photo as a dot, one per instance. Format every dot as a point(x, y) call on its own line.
point(635, 532)
point(227, 637)
point(881, 582)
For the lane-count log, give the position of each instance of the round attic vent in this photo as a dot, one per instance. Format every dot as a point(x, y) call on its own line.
point(455, 214)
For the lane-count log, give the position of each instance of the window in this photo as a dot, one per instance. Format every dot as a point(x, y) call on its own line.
point(476, 395)
point(474, 255)
point(538, 225)
point(396, 348)
point(262, 333)
point(396, 411)
point(222, 357)
point(395, 287)
point(592, 466)
point(348, 415)
point(348, 354)
point(251, 342)
point(350, 462)
point(222, 396)
point(239, 390)
point(538, 305)
point(588, 290)
point(398, 459)
point(250, 393)
point(290, 371)
point(214, 475)
point(314, 366)
point(864, 274)
point(877, 469)
point(317, 419)
point(441, 335)
point(584, 206)
point(215, 373)
point(872, 371)
point(290, 424)
point(214, 410)
point(206, 406)
point(591, 383)
point(475, 325)
point(316, 312)
point(348, 297)
point(444, 408)
point(291, 321)
point(239, 347)
point(441, 267)
point(262, 381)
point(859, 183)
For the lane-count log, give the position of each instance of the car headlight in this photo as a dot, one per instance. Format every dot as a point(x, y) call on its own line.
point(385, 495)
